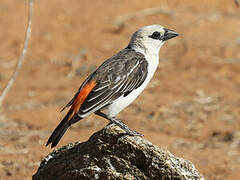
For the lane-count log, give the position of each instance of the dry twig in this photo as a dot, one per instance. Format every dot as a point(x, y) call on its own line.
point(22, 56)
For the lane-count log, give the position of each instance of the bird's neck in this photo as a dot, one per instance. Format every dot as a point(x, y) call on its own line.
point(150, 51)
point(148, 48)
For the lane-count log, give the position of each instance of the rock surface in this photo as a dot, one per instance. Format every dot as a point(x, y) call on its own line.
point(107, 156)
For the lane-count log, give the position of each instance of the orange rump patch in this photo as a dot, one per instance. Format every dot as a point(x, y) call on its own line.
point(81, 97)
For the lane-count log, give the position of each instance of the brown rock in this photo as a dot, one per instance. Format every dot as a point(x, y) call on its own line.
point(107, 156)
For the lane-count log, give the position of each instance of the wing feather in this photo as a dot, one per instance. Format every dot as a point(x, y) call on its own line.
point(116, 77)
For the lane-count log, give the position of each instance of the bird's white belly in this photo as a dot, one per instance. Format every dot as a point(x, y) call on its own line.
point(122, 102)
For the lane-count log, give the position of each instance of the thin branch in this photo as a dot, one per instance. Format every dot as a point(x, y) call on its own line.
point(23, 54)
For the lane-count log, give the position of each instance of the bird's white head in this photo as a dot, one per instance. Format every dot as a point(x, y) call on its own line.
point(149, 39)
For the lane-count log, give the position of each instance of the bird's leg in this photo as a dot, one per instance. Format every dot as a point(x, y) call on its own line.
point(118, 123)
point(109, 125)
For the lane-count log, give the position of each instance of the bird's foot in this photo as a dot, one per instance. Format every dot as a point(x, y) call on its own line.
point(119, 123)
point(125, 127)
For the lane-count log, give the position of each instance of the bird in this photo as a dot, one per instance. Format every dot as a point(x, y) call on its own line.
point(117, 82)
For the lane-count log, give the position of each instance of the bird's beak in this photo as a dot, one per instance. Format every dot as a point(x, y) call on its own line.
point(169, 34)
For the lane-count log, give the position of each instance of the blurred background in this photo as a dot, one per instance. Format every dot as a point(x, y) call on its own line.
point(191, 107)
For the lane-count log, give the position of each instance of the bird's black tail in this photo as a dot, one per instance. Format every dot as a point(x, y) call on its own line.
point(62, 128)
point(72, 115)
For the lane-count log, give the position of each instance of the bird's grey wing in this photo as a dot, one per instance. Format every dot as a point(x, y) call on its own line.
point(118, 76)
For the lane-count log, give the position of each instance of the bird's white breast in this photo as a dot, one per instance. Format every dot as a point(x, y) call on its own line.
point(122, 102)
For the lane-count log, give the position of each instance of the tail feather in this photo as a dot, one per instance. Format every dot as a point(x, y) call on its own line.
point(71, 116)
point(62, 128)
point(58, 129)
point(60, 135)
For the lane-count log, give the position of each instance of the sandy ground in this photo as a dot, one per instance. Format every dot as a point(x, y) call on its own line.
point(191, 106)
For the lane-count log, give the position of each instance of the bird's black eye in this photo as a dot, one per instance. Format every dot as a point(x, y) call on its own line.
point(155, 35)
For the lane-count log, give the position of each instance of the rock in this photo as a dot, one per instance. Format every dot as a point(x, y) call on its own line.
point(107, 156)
